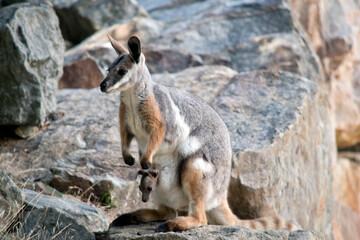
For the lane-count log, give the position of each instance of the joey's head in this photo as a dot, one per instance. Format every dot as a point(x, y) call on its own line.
point(148, 182)
point(126, 70)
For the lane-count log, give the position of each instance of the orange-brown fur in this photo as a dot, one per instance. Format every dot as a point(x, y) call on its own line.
point(150, 111)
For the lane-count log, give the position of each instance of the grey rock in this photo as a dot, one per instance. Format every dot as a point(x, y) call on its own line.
point(254, 36)
point(172, 10)
point(11, 200)
point(210, 232)
point(171, 61)
point(49, 223)
point(85, 215)
point(26, 131)
point(204, 81)
point(81, 18)
point(284, 148)
point(82, 73)
point(31, 58)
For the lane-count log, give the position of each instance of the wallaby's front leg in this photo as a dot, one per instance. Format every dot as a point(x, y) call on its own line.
point(144, 215)
point(126, 137)
point(150, 111)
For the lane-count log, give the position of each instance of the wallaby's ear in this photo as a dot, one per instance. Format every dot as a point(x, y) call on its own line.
point(154, 173)
point(117, 46)
point(134, 48)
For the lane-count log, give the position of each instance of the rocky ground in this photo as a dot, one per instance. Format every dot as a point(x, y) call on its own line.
point(278, 75)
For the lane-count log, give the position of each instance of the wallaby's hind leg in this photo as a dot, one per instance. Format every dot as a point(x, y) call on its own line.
point(144, 215)
point(222, 215)
point(195, 189)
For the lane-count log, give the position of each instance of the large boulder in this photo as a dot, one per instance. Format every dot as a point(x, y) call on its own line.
point(210, 232)
point(31, 57)
point(283, 142)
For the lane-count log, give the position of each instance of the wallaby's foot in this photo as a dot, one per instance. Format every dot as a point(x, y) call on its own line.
point(144, 215)
point(168, 227)
point(129, 160)
point(164, 227)
point(125, 219)
point(180, 224)
point(145, 163)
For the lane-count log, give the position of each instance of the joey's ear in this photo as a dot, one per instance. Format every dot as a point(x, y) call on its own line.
point(117, 46)
point(134, 48)
point(154, 173)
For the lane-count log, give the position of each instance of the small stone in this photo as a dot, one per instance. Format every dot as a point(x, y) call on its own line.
point(26, 131)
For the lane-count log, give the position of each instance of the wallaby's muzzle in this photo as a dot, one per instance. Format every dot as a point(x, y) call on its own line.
point(103, 85)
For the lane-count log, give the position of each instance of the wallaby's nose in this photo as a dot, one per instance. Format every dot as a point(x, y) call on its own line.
point(103, 86)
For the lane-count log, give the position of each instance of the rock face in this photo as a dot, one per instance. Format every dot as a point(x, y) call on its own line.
point(31, 57)
point(11, 200)
point(281, 141)
point(210, 232)
point(88, 216)
point(336, 40)
point(81, 18)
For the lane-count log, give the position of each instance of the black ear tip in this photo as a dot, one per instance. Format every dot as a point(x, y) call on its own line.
point(134, 40)
point(135, 48)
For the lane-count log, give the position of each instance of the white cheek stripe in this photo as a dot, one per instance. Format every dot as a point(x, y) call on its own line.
point(123, 81)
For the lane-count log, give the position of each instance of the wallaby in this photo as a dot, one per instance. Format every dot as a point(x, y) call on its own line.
point(184, 138)
point(148, 183)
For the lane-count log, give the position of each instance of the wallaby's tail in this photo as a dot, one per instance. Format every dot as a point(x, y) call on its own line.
point(222, 215)
point(268, 223)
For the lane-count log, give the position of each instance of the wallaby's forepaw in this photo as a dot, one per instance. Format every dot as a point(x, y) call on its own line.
point(124, 219)
point(145, 163)
point(129, 160)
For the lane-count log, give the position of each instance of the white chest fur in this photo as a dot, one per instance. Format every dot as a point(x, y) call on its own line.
point(168, 191)
point(134, 120)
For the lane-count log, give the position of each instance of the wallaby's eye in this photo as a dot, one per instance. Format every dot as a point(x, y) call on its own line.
point(149, 188)
point(122, 72)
